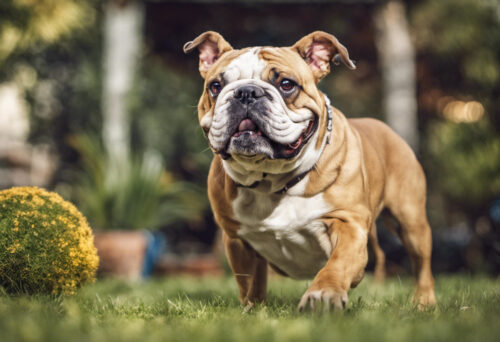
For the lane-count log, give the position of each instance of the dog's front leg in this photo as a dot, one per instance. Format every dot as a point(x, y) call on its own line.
point(249, 268)
point(344, 269)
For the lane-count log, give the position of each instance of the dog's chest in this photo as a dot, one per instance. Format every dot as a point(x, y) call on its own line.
point(285, 230)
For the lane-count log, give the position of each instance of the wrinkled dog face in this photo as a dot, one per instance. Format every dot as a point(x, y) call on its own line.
point(251, 115)
point(263, 101)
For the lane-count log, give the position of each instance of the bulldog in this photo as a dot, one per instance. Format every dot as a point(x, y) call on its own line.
point(294, 184)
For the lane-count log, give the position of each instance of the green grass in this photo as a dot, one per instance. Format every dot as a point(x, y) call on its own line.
point(187, 309)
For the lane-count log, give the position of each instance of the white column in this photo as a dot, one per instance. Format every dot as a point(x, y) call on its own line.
point(122, 45)
point(397, 61)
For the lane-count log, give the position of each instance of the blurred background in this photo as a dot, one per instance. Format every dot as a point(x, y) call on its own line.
point(98, 103)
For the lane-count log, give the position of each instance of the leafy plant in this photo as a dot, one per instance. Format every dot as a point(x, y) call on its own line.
point(135, 193)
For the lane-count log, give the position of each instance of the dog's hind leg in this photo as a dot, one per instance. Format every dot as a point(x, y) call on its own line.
point(416, 236)
point(379, 271)
point(406, 201)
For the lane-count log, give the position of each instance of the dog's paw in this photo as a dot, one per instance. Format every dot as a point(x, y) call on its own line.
point(248, 307)
point(424, 298)
point(323, 300)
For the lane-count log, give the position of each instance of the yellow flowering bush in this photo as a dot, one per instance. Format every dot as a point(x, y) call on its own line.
point(46, 244)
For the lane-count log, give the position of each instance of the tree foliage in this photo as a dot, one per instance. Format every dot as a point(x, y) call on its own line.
point(458, 42)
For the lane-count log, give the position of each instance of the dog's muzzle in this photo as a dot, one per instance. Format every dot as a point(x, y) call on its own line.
point(251, 119)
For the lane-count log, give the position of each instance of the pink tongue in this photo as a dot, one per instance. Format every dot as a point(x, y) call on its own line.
point(246, 125)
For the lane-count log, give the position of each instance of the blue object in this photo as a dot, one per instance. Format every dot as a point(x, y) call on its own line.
point(156, 246)
point(495, 211)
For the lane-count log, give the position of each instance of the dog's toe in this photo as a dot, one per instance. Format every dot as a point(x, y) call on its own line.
point(323, 300)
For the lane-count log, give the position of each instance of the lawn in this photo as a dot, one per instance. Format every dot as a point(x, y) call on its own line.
point(189, 309)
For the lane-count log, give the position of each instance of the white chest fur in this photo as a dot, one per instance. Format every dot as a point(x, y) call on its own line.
point(285, 230)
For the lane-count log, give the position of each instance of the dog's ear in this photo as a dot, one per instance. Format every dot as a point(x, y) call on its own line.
point(318, 49)
point(211, 46)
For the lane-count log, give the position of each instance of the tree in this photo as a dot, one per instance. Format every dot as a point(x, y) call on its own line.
point(24, 23)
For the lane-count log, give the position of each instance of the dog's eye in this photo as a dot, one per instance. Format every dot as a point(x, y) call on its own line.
point(287, 85)
point(215, 88)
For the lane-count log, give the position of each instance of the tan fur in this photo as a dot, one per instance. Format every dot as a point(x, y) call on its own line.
point(330, 45)
point(221, 191)
point(379, 271)
point(388, 174)
point(211, 46)
point(249, 268)
point(206, 103)
point(365, 168)
point(310, 97)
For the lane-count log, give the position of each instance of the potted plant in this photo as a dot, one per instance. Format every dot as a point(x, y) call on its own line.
point(124, 201)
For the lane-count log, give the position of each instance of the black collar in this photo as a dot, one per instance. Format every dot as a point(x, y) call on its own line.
point(292, 182)
point(295, 180)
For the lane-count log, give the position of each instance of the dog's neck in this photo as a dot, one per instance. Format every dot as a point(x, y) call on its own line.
point(280, 182)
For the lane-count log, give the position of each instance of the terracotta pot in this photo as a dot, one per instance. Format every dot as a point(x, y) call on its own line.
point(121, 253)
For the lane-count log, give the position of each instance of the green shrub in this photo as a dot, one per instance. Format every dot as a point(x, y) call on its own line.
point(465, 161)
point(46, 245)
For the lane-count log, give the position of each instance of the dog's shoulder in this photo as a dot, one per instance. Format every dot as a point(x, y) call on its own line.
point(384, 140)
point(392, 150)
point(372, 129)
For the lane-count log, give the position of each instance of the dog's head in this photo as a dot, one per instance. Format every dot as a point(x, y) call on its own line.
point(260, 106)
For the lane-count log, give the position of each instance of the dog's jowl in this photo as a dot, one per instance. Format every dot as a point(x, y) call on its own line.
point(293, 183)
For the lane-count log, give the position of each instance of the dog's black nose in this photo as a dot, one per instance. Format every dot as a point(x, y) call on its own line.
point(248, 93)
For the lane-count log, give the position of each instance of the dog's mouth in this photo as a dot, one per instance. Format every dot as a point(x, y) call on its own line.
point(247, 126)
point(301, 141)
point(248, 133)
